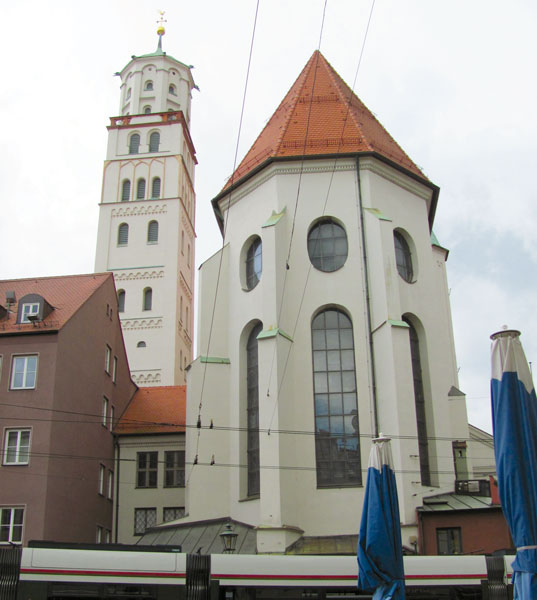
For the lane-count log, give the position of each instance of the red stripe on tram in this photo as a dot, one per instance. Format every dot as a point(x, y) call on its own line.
point(73, 572)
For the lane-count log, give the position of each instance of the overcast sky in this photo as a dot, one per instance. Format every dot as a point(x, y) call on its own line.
point(454, 82)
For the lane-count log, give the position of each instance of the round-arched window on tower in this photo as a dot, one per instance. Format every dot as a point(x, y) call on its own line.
point(155, 187)
point(172, 90)
point(327, 245)
point(134, 143)
point(147, 110)
point(126, 190)
point(403, 258)
point(123, 234)
point(152, 232)
point(140, 189)
point(148, 87)
point(253, 263)
point(147, 303)
point(141, 344)
point(121, 300)
point(154, 141)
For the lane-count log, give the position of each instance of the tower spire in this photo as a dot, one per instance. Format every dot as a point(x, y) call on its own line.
point(160, 29)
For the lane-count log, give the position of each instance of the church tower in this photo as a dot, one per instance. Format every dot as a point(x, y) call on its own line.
point(146, 229)
point(331, 324)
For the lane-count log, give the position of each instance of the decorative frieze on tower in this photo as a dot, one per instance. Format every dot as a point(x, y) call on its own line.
point(146, 232)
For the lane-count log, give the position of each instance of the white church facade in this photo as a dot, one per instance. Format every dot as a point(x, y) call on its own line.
point(146, 229)
point(331, 324)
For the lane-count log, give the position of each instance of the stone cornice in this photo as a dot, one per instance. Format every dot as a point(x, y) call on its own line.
point(136, 274)
point(139, 210)
point(136, 324)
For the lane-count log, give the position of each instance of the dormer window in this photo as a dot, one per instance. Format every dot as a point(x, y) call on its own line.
point(29, 309)
point(33, 308)
point(148, 86)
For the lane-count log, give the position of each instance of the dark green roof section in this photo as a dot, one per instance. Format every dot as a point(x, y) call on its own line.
point(274, 218)
point(377, 213)
point(273, 332)
point(435, 242)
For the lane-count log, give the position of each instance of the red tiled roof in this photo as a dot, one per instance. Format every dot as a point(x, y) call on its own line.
point(66, 294)
point(159, 409)
point(321, 115)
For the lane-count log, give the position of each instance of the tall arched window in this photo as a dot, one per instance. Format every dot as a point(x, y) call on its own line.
point(134, 143)
point(140, 189)
point(148, 299)
point(121, 300)
point(252, 410)
point(337, 438)
point(154, 141)
point(403, 257)
point(126, 190)
point(152, 232)
point(172, 90)
point(254, 263)
point(419, 399)
point(123, 234)
point(155, 188)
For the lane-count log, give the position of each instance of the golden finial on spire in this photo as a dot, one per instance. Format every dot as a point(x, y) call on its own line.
point(160, 22)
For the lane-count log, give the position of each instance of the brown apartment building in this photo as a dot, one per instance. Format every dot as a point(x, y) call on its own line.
point(64, 382)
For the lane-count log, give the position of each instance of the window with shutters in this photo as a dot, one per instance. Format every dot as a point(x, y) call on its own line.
point(419, 400)
point(154, 141)
point(134, 143)
point(337, 438)
point(121, 300)
point(17, 447)
point(146, 469)
point(11, 522)
point(126, 190)
point(152, 232)
point(174, 468)
point(144, 518)
point(252, 410)
point(123, 234)
point(140, 189)
point(148, 299)
point(155, 188)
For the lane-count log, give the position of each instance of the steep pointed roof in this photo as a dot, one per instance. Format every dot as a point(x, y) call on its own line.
point(320, 115)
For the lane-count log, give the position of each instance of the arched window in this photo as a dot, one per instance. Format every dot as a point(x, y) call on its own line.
point(419, 399)
point(126, 190)
point(123, 234)
point(403, 257)
point(148, 299)
point(152, 232)
point(252, 410)
point(141, 344)
point(128, 94)
point(172, 90)
point(253, 264)
point(148, 86)
point(140, 189)
point(134, 143)
point(121, 301)
point(147, 110)
point(155, 188)
point(154, 141)
point(327, 245)
point(337, 438)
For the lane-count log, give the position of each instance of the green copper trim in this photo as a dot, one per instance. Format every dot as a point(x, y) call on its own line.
point(395, 323)
point(273, 332)
point(215, 360)
point(376, 213)
point(274, 218)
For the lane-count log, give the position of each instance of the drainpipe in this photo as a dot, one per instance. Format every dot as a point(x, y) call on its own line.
point(118, 462)
point(368, 311)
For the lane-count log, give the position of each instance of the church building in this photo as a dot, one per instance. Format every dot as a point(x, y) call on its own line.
point(331, 324)
point(146, 227)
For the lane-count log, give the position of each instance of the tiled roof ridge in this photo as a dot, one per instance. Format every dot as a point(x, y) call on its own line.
point(351, 101)
point(42, 278)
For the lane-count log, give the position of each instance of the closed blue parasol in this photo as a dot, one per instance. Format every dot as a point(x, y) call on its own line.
point(514, 420)
point(380, 552)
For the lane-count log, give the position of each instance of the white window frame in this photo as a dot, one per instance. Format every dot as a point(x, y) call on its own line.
point(107, 357)
point(99, 535)
point(111, 419)
point(102, 471)
point(105, 412)
point(29, 309)
point(11, 525)
point(114, 369)
point(25, 372)
point(110, 486)
point(18, 434)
